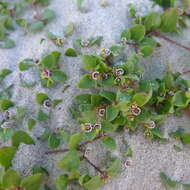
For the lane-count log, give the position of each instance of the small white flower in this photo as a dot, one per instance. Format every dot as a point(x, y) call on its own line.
point(150, 124)
point(127, 163)
point(87, 127)
point(47, 103)
point(101, 112)
point(119, 72)
point(85, 42)
point(95, 75)
point(97, 126)
point(46, 73)
point(105, 51)
point(136, 111)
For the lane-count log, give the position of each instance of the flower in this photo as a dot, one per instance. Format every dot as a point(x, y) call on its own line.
point(127, 163)
point(47, 103)
point(46, 73)
point(101, 112)
point(119, 72)
point(85, 42)
point(105, 51)
point(118, 80)
point(133, 106)
point(97, 126)
point(150, 124)
point(95, 75)
point(87, 127)
point(36, 61)
point(136, 111)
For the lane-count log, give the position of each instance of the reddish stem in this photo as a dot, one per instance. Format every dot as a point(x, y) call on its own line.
point(185, 72)
point(94, 166)
point(135, 45)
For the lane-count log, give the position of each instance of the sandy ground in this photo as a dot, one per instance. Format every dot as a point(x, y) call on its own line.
point(150, 158)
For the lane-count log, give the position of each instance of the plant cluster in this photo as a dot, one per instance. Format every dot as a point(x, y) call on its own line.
point(10, 17)
point(123, 100)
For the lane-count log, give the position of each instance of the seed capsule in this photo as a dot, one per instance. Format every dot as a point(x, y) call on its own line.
point(119, 72)
point(95, 75)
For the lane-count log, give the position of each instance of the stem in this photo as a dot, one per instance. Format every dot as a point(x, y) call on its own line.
point(79, 148)
point(94, 166)
point(136, 47)
point(185, 72)
point(158, 34)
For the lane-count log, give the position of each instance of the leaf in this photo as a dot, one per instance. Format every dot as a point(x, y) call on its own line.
point(90, 62)
point(142, 98)
point(53, 141)
point(36, 26)
point(56, 102)
point(37, 169)
point(65, 136)
point(93, 183)
point(59, 76)
point(70, 162)
point(123, 96)
point(146, 51)
point(22, 22)
point(186, 186)
point(179, 99)
point(165, 3)
point(111, 112)
point(4, 73)
point(45, 135)
point(31, 123)
point(25, 64)
point(47, 15)
point(95, 41)
point(21, 137)
point(69, 30)
point(11, 179)
point(33, 182)
point(41, 97)
point(75, 140)
point(48, 61)
point(41, 116)
point(185, 138)
point(21, 112)
point(7, 44)
point(109, 143)
point(70, 52)
point(115, 168)
point(137, 32)
point(5, 104)
point(7, 155)
point(61, 182)
point(126, 34)
point(111, 96)
point(80, 6)
point(152, 21)
point(107, 126)
point(86, 82)
point(169, 20)
point(167, 181)
point(83, 99)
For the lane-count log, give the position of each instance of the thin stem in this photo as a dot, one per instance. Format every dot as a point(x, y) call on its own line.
point(185, 72)
point(57, 151)
point(94, 166)
point(135, 45)
point(158, 34)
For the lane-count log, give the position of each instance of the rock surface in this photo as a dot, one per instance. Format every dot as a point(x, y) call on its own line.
point(150, 158)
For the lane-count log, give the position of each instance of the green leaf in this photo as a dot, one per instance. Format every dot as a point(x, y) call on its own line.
point(45, 135)
point(93, 183)
point(61, 182)
point(169, 20)
point(84, 178)
point(83, 99)
point(47, 15)
point(70, 52)
point(80, 6)
point(70, 162)
point(21, 112)
point(165, 3)
point(7, 44)
point(7, 155)
point(186, 186)
point(21, 137)
point(26, 64)
point(22, 22)
point(146, 51)
point(59, 76)
point(107, 126)
point(53, 141)
point(11, 179)
point(48, 61)
point(56, 102)
point(109, 143)
point(33, 182)
point(180, 100)
point(115, 168)
point(152, 21)
point(75, 140)
point(111, 96)
point(137, 32)
point(36, 26)
point(126, 34)
point(31, 123)
point(41, 97)
point(41, 116)
point(86, 82)
point(65, 136)
point(69, 30)
point(111, 112)
point(167, 181)
point(5, 104)
point(4, 73)
point(185, 138)
point(142, 98)
point(90, 62)
point(36, 169)
point(123, 96)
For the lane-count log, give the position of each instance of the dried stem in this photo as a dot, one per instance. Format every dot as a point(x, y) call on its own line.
point(94, 166)
point(57, 151)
